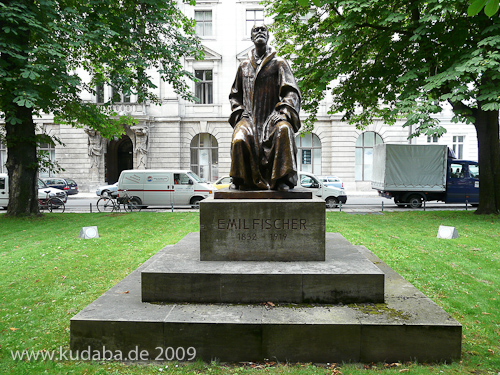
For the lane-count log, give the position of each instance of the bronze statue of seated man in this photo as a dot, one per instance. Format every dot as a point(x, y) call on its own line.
point(265, 103)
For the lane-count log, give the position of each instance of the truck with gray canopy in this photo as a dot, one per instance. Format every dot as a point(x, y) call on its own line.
point(412, 174)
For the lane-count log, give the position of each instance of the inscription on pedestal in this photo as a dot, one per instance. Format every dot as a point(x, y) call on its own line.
point(264, 230)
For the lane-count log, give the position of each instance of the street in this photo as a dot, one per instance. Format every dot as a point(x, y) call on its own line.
point(356, 203)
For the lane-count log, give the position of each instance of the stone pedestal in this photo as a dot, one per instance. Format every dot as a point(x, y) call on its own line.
point(407, 327)
point(346, 276)
point(263, 280)
point(262, 230)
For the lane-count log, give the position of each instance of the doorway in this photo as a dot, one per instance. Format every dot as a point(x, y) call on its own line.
point(119, 157)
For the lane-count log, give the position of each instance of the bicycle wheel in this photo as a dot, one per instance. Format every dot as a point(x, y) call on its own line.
point(42, 205)
point(131, 206)
point(105, 204)
point(56, 205)
point(135, 204)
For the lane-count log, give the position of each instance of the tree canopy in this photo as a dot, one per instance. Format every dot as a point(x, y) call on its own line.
point(390, 59)
point(490, 7)
point(43, 44)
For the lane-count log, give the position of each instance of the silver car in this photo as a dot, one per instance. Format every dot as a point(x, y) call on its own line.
point(332, 181)
point(111, 190)
point(44, 189)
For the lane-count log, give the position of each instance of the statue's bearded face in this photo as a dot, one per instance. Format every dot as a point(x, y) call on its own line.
point(260, 34)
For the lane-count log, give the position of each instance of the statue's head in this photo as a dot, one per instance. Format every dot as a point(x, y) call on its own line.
point(260, 34)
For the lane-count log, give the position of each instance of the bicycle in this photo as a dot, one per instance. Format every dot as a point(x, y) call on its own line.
point(107, 204)
point(51, 203)
point(129, 203)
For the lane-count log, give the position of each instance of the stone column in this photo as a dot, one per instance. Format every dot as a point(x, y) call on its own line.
point(141, 146)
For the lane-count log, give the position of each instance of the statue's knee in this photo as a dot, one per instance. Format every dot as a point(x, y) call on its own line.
point(243, 125)
point(242, 131)
point(284, 128)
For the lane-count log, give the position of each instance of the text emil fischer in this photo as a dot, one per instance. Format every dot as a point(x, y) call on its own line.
point(263, 224)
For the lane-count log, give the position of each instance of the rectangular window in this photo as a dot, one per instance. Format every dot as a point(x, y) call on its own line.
point(118, 97)
point(215, 164)
point(432, 139)
point(306, 157)
point(368, 164)
point(99, 93)
point(204, 88)
point(254, 17)
point(458, 146)
point(48, 152)
point(306, 17)
point(203, 20)
point(359, 164)
point(182, 179)
point(474, 170)
point(456, 170)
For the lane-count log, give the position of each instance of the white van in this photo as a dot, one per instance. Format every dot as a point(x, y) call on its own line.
point(330, 194)
point(4, 190)
point(42, 191)
point(150, 187)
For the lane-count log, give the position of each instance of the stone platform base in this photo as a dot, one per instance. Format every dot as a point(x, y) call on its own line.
point(346, 276)
point(409, 326)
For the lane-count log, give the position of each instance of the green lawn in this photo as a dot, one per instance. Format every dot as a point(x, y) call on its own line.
point(48, 274)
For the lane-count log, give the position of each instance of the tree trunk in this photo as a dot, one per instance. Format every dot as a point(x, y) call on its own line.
point(488, 142)
point(22, 165)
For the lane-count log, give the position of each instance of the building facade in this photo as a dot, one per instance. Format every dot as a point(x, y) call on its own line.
point(197, 136)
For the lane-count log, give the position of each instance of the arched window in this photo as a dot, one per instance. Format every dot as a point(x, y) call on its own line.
point(364, 155)
point(309, 153)
point(205, 156)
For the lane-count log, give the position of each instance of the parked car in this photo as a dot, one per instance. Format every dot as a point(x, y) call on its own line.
point(223, 182)
point(69, 185)
point(43, 188)
point(332, 195)
point(111, 190)
point(332, 181)
point(42, 191)
point(164, 187)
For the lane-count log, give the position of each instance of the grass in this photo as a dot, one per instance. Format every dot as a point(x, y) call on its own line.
point(48, 274)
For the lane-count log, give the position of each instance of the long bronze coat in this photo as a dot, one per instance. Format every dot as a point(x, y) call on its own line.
point(265, 103)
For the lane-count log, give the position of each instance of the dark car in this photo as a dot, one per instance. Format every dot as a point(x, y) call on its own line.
point(44, 189)
point(66, 184)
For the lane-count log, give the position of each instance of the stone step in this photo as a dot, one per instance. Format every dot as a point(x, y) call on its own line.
point(346, 276)
point(408, 326)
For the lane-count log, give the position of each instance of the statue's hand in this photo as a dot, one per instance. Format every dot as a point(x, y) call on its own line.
point(285, 112)
point(277, 117)
point(291, 116)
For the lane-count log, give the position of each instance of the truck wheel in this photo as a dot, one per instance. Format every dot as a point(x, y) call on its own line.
point(331, 202)
point(135, 204)
point(195, 202)
point(136, 200)
point(415, 201)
